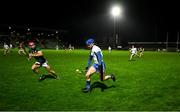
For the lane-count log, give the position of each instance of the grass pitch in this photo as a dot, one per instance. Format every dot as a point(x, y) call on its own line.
point(148, 83)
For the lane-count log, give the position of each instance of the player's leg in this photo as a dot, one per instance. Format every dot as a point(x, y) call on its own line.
point(90, 71)
point(8, 50)
point(50, 71)
point(136, 54)
point(131, 56)
point(103, 74)
point(4, 52)
point(19, 52)
point(35, 67)
point(107, 77)
point(140, 54)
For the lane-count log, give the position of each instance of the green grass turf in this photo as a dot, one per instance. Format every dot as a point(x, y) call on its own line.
point(148, 83)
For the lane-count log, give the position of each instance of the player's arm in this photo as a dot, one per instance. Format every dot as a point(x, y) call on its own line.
point(89, 62)
point(130, 50)
point(39, 53)
point(30, 56)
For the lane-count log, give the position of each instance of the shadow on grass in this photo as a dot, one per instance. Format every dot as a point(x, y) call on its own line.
point(100, 85)
point(132, 60)
point(50, 77)
point(46, 77)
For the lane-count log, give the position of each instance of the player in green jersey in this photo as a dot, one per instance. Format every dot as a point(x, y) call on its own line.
point(35, 52)
point(141, 51)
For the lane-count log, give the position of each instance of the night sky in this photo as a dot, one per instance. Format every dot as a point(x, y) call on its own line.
point(143, 20)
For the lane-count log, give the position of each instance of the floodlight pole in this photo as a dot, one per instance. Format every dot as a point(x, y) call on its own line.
point(167, 41)
point(57, 37)
point(116, 12)
point(10, 32)
point(115, 35)
point(177, 41)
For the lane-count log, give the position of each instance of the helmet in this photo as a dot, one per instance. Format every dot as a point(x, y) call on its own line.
point(89, 41)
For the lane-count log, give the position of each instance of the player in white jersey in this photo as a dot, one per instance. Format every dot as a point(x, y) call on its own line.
point(133, 52)
point(6, 49)
point(109, 49)
point(98, 66)
point(22, 49)
point(10, 47)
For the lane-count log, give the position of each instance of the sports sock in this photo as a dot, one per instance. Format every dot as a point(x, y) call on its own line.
point(88, 84)
point(53, 75)
point(35, 71)
point(107, 77)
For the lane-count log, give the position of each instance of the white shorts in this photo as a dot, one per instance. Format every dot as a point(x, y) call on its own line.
point(42, 64)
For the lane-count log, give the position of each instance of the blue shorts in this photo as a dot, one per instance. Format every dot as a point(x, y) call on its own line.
point(96, 66)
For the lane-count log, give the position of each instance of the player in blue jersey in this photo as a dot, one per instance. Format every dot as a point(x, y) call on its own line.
point(98, 66)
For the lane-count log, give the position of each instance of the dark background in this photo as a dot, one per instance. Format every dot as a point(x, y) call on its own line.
point(144, 20)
